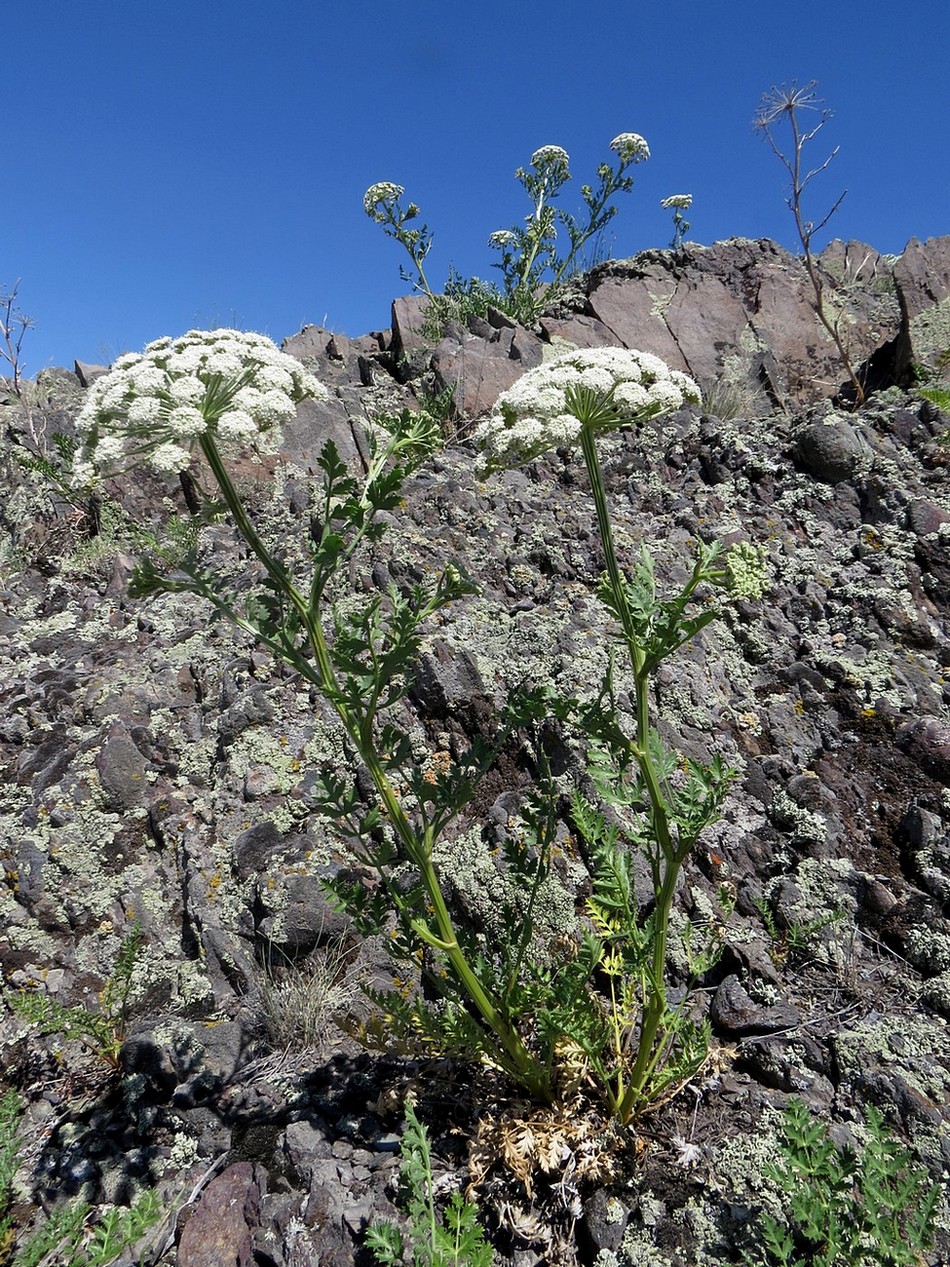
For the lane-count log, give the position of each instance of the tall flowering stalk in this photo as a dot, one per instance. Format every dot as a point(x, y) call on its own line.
point(381, 204)
point(532, 269)
point(665, 802)
point(793, 106)
point(678, 203)
point(214, 393)
point(530, 265)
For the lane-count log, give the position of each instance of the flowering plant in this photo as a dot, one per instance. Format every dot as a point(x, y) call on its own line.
point(544, 1017)
point(662, 801)
point(214, 389)
point(531, 269)
point(678, 203)
point(539, 413)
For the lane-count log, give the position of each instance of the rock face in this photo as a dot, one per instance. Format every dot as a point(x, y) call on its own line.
point(739, 317)
point(159, 768)
point(742, 313)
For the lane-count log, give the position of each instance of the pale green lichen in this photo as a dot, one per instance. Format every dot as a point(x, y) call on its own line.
point(660, 302)
point(930, 332)
point(746, 567)
point(823, 886)
point(640, 1250)
point(803, 826)
point(468, 864)
point(929, 949)
point(936, 992)
point(183, 1153)
point(740, 1162)
point(826, 904)
point(918, 1046)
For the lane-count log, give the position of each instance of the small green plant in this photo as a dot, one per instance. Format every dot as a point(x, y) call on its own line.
point(845, 1209)
point(938, 393)
point(462, 299)
point(439, 405)
point(729, 398)
point(791, 943)
point(788, 106)
point(431, 1239)
point(55, 465)
point(102, 1032)
point(10, 1110)
point(72, 1235)
point(532, 271)
point(678, 203)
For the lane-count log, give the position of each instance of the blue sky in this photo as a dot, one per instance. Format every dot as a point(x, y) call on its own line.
point(203, 162)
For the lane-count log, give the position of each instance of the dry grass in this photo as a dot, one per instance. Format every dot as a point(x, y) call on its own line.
point(301, 1001)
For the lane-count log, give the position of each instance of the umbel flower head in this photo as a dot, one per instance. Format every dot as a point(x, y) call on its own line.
point(155, 406)
point(550, 154)
point(543, 410)
point(630, 147)
point(677, 202)
point(378, 196)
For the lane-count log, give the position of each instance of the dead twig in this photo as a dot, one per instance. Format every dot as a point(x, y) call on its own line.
point(13, 326)
point(789, 104)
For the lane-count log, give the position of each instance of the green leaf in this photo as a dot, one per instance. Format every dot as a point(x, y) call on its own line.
point(336, 475)
point(386, 1243)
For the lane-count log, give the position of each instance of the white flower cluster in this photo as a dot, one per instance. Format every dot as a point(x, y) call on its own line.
point(155, 405)
point(502, 238)
point(549, 154)
point(679, 202)
point(533, 415)
point(382, 192)
point(631, 147)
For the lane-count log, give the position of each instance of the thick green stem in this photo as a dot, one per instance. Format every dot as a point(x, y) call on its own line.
point(654, 1006)
point(519, 1060)
point(617, 585)
point(529, 260)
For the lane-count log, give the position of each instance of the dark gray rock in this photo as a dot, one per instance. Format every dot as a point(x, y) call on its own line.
point(925, 518)
point(923, 274)
point(445, 678)
point(927, 741)
point(605, 1221)
point(307, 918)
point(122, 771)
point(831, 451)
point(317, 422)
point(484, 360)
point(407, 322)
point(87, 374)
point(255, 848)
point(734, 1011)
point(748, 304)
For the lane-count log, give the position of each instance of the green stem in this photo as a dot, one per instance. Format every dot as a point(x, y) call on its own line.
point(655, 1008)
point(519, 1061)
point(655, 1001)
point(536, 243)
point(243, 522)
point(617, 585)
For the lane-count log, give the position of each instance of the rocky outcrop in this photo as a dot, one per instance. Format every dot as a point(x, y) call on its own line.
point(739, 317)
point(159, 768)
